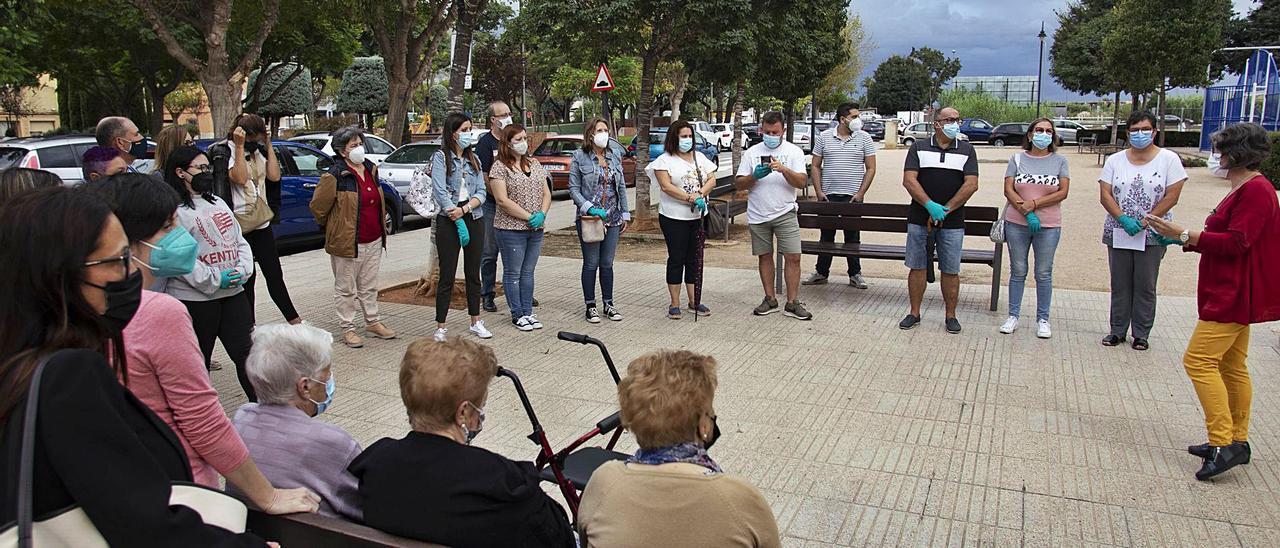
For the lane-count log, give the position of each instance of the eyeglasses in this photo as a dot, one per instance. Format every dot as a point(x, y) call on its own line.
point(206, 168)
point(188, 143)
point(1137, 129)
point(948, 120)
point(124, 260)
point(1043, 131)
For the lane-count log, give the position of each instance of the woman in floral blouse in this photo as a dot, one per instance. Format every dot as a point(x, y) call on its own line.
point(519, 186)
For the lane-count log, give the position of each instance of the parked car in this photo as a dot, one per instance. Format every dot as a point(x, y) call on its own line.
point(1066, 130)
point(725, 134)
point(657, 136)
point(920, 130)
point(801, 138)
point(977, 129)
point(709, 133)
point(301, 166)
point(399, 166)
point(376, 148)
point(556, 153)
point(752, 131)
point(875, 129)
point(1009, 134)
point(60, 155)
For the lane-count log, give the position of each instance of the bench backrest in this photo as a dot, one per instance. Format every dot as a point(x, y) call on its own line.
point(724, 185)
point(316, 531)
point(884, 217)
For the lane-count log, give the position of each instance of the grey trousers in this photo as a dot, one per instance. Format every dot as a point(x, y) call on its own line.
point(1133, 289)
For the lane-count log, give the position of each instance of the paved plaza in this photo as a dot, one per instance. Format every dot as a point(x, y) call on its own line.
point(858, 433)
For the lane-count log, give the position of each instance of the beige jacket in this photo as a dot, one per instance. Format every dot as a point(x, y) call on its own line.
point(336, 207)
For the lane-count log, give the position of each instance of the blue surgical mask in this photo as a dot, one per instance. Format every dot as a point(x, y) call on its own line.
point(468, 433)
point(329, 388)
point(1042, 140)
point(772, 141)
point(951, 130)
point(1141, 138)
point(464, 140)
point(686, 144)
point(174, 255)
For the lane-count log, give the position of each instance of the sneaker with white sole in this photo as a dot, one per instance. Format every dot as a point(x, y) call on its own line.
point(1010, 325)
point(1042, 329)
point(522, 323)
point(612, 313)
point(817, 278)
point(479, 330)
point(533, 321)
point(857, 281)
point(441, 334)
point(593, 314)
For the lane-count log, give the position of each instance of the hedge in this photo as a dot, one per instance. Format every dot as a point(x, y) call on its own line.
point(1271, 166)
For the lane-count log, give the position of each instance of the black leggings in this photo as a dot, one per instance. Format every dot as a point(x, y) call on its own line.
point(263, 244)
point(230, 320)
point(447, 245)
point(682, 248)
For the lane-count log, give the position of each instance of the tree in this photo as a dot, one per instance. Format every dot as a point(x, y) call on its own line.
point(15, 103)
point(187, 97)
point(1261, 27)
point(284, 91)
point(364, 88)
point(18, 38)
point(406, 33)
point(496, 67)
point(221, 75)
point(842, 82)
point(940, 69)
point(469, 12)
point(1076, 53)
point(898, 84)
point(1187, 32)
point(305, 40)
point(727, 57)
point(800, 49)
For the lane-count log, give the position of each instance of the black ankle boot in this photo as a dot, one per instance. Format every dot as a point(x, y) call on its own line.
point(1221, 459)
point(1202, 450)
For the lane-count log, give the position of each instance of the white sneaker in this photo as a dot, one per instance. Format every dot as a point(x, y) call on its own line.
point(441, 333)
point(1010, 325)
point(480, 331)
point(533, 321)
point(1042, 329)
point(522, 323)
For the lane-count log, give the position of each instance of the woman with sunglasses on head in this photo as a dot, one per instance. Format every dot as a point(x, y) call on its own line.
point(213, 292)
point(1141, 180)
point(67, 292)
point(1035, 184)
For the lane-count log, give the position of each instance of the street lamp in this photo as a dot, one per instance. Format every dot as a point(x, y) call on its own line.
point(1040, 71)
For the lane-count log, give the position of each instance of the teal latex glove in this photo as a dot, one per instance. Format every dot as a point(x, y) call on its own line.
point(230, 278)
point(1033, 222)
point(701, 203)
point(598, 212)
point(536, 220)
point(1167, 241)
point(761, 171)
point(464, 236)
point(1129, 225)
point(936, 210)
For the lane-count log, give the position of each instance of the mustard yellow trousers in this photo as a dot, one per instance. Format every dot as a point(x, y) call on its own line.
point(1215, 362)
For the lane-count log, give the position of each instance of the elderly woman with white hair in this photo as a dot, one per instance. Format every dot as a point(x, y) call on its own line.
point(667, 402)
point(291, 369)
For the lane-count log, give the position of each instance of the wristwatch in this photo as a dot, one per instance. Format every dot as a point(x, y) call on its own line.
point(1185, 237)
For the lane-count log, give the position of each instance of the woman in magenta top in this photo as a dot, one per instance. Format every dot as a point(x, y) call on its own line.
point(165, 365)
point(1239, 258)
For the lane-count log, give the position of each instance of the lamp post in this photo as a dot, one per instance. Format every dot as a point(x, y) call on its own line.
point(1040, 70)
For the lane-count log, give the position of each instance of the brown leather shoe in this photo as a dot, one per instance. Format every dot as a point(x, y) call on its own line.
point(352, 340)
point(380, 331)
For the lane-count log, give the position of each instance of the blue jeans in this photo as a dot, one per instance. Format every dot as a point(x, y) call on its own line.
point(947, 246)
point(598, 256)
point(520, 250)
point(1021, 241)
point(489, 257)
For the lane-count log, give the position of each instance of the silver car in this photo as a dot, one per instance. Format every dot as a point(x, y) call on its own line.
point(59, 155)
point(376, 149)
point(920, 130)
point(399, 166)
point(1067, 130)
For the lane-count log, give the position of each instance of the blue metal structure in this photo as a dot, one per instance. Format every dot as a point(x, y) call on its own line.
point(1255, 98)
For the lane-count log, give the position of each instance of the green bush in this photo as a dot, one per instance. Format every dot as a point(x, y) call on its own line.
point(364, 87)
point(293, 99)
point(974, 104)
point(1193, 161)
point(1271, 166)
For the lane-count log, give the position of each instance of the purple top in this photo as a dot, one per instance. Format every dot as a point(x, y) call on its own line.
point(295, 450)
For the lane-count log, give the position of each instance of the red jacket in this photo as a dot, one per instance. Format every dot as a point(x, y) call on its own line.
point(1240, 257)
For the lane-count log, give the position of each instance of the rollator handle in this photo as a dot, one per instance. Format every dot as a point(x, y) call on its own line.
point(572, 337)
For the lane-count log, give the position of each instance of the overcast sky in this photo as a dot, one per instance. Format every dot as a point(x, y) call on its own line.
point(991, 37)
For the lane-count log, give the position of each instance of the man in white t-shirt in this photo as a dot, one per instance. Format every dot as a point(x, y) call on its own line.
point(771, 171)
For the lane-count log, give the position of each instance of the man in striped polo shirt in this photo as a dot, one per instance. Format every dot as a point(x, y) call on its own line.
point(844, 163)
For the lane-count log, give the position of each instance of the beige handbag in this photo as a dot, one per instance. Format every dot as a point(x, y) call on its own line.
point(259, 212)
point(72, 528)
point(592, 229)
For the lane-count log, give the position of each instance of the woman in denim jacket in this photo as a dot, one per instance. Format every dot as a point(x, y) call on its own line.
point(457, 186)
point(599, 190)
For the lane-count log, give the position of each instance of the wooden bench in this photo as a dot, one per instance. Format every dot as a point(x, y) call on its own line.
point(316, 531)
point(724, 203)
point(893, 218)
point(1106, 150)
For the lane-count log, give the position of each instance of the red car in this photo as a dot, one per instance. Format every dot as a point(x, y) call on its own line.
point(556, 152)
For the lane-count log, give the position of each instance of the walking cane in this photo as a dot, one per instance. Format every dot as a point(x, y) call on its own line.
point(697, 265)
point(930, 242)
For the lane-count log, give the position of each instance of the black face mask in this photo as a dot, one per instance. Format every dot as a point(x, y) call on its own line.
point(252, 147)
point(138, 149)
point(715, 433)
point(202, 182)
point(123, 298)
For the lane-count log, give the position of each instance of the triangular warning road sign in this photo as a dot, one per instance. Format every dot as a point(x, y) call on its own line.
point(604, 81)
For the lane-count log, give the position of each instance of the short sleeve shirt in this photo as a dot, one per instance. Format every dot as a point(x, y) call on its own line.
point(772, 197)
point(1035, 178)
point(684, 176)
point(844, 161)
point(1139, 188)
point(941, 172)
point(525, 190)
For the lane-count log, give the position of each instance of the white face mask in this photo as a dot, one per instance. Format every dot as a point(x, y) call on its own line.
point(601, 139)
point(356, 155)
point(1215, 166)
point(855, 124)
point(504, 122)
point(521, 148)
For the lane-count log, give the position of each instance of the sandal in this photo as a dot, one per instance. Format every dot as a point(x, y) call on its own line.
point(1112, 340)
point(1140, 344)
point(673, 312)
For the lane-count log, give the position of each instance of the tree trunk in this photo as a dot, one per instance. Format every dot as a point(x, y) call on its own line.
point(1160, 116)
point(400, 93)
point(791, 120)
point(738, 97)
point(224, 101)
point(468, 13)
point(677, 93)
point(156, 122)
point(720, 107)
point(1115, 120)
point(644, 115)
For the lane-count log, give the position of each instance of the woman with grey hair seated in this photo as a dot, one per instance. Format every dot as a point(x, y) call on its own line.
point(291, 371)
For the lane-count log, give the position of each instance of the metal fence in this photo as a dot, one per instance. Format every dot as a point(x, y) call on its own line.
point(1255, 98)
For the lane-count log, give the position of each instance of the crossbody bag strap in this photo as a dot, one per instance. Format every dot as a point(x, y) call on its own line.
point(26, 466)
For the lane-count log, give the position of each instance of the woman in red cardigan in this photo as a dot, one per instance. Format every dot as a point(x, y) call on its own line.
point(1239, 250)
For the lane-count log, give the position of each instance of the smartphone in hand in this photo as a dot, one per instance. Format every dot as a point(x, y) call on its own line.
point(766, 160)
